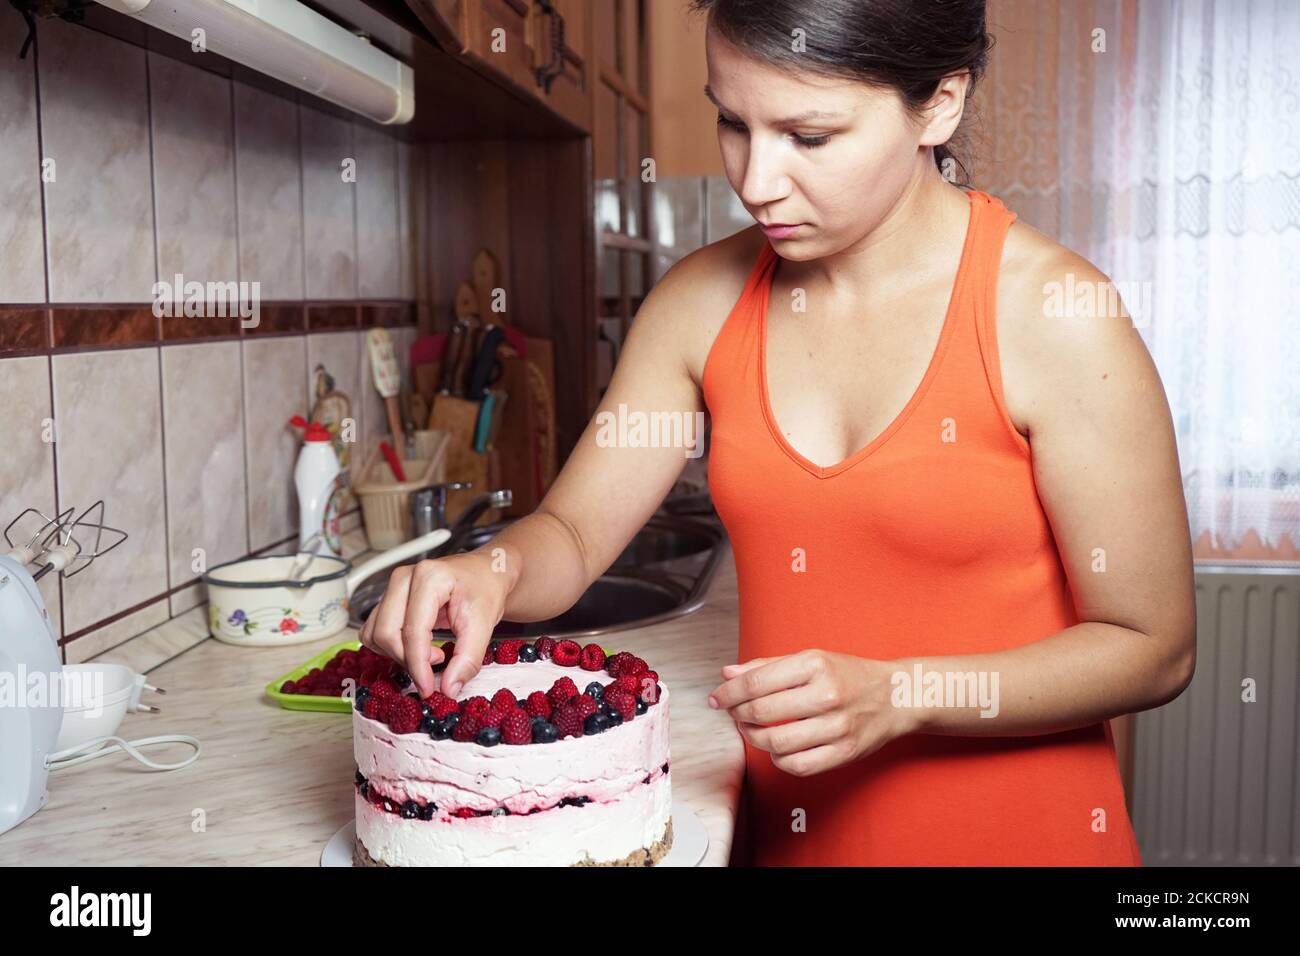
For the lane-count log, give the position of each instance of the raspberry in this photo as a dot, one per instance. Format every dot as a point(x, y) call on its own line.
point(636, 667)
point(653, 675)
point(628, 683)
point(467, 728)
point(376, 708)
point(592, 658)
point(489, 654)
point(404, 715)
point(649, 691)
point(566, 653)
point(477, 705)
point(568, 723)
point(503, 699)
point(545, 647)
point(585, 706)
point(517, 728)
point(538, 705)
point(508, 652)
point(288, 687)
point(493, 717)
point(384, 688)
point(561, 691)
point(623, 702)
point(614, 662)
point(444, 706)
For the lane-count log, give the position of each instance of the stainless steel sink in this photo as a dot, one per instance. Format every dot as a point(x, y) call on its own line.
point(662, 574)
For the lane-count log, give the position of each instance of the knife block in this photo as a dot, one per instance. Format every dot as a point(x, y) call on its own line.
point(459, 418)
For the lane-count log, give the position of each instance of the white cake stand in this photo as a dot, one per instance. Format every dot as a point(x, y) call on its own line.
point(690, 841)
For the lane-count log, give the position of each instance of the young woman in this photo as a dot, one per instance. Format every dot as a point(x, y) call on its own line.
point(956, 509)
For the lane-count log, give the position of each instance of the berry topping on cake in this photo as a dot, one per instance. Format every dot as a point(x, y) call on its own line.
point(584, 705)
point(404, 715)
point(568, 723)
point(503, 699)
point(517, 727)
point(477, 705)
point(596, 723)
point(376, 708)
point(566, 653)
point(538, 704)
point(508, 652)
point(528, 653)
point(562, 691)
point(649, 691)
point(467, 728)
point(489, 736)
point(621, 701)
point(545, 647)
point(592, 658)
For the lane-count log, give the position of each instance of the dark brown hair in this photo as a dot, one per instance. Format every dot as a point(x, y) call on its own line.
point(908, 46)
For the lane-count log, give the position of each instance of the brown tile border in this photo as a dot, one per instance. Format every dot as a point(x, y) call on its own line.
point(50, 328)
point(24, 328)
point(321, 316)
point(103, 325)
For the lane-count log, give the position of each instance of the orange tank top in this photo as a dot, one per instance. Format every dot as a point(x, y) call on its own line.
point(913, 545)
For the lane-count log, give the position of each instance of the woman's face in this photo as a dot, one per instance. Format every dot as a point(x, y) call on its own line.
point(837, 175)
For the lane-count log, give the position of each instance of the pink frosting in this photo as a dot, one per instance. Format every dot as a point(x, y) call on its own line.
point(456, 774)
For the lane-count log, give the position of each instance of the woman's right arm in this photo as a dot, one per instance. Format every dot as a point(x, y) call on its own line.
point(608, 488)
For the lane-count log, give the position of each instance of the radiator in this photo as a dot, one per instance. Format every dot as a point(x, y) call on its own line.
point(1216, 780)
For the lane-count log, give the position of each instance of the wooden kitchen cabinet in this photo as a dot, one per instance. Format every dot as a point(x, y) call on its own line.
point(520, 43)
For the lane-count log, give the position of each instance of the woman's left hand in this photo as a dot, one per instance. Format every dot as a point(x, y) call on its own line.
point(828, 709)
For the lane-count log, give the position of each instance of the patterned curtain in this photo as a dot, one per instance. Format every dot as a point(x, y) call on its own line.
point(1161, 140)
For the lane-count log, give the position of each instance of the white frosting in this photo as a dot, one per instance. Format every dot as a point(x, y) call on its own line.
point(610, 768)
point(600, 832)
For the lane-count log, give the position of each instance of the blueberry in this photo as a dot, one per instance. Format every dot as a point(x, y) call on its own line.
point(641, 707)
point(528, 654)
point(489, 736)
point(614, 715)
point(451, 720)
point(403, 679)
point(361, 778)
point(362, 695)
point(365, 790)
point(426, 724)
point(440, 730)
point(426, 710)
point(494, 645)
point(410, 810)
point(426, 811)
point(595, 723)
point(596, 691)
point(545, 732)
point(500, 811)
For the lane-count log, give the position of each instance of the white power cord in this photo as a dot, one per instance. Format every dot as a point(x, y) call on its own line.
point(62, 759)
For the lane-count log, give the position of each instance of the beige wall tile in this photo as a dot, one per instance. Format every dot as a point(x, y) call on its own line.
point(108, 412)
point(27, 465)
point(269, 181)
point(194, 171)
point(274, 391)
point(379, 272)
point(95, 125)
point(207, 506)
point(111, 637)
point(329, 217)
point(22, 246)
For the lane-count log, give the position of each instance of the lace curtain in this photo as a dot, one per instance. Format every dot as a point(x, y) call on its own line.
point(1161, 140)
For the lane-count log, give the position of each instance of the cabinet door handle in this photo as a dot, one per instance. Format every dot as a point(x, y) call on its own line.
point(546, 74)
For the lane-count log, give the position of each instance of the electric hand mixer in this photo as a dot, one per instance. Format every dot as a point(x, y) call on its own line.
point(40, 730)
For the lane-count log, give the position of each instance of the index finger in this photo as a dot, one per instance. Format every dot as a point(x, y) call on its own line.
point(429, 590)
point(780, 674)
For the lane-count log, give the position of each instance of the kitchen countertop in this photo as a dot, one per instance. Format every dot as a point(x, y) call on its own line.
point(272, 785)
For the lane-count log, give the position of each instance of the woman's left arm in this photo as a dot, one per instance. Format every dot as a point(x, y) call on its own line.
point(1106, 468)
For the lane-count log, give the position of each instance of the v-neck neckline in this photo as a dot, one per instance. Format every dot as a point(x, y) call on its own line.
point(945, 333)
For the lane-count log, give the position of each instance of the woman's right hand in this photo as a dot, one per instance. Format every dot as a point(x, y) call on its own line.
point(463, 592)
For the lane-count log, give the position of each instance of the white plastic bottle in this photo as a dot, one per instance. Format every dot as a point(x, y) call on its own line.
point(320, 484)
